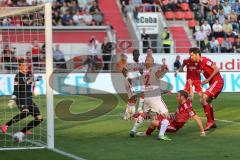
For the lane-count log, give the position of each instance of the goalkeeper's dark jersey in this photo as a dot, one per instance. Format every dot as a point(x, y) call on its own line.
point(22, 86)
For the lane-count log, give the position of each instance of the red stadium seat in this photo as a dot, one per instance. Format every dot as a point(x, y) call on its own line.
point(169, 15)
point(179, 15)
point(220, 40)
point(185, 7)
point(231, 39)
point(188, 15)
point(191, 23)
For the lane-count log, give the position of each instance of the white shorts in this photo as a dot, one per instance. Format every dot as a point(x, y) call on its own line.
point(155, 104)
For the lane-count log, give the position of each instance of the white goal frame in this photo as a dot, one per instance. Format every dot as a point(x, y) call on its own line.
point(49, 70)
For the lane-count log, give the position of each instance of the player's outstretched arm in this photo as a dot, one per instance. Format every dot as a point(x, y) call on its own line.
point(215, 71)
point(198, 120)
point(181, 67)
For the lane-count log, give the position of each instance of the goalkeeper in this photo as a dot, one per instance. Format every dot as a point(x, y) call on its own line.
point(24, 99)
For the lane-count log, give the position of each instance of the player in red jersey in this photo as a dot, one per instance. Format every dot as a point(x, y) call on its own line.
point(193, 74)
point(215, 80)
point(182, 115)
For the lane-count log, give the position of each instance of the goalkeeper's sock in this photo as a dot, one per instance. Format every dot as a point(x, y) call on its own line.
point(17, 118)
point(31, 125)
point(138, 123)
point(163, 128)
point(207, 110)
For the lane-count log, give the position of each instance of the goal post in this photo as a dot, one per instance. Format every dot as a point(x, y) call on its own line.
point(49, 71)
point(20, 29)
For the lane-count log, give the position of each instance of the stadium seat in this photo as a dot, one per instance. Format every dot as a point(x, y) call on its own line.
point(192, 23)
point(185, 7)
point(188, 15)
point(169, 15)
point(220, 40)
point(231, 39)
point(179, 15)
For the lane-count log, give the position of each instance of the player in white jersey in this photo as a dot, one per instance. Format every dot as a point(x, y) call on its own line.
point(132, 74)
point(153, 102)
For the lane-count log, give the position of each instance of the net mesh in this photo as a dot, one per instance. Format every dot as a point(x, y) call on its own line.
point(22, 37)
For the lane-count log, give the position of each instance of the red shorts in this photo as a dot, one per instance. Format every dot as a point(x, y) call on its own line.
point(214, 89)
point(197, 86)
point(173, 126)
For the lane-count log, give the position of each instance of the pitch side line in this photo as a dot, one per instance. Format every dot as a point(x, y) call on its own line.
point(42, 146)
point(223, 120)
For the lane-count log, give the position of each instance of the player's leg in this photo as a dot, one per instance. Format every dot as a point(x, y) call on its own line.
point(159, 106)
point(140, 104)
point(131, 105)
point(23, 114)
point(130, 109)
point(35, 112)
point(139, 120)
point(211, 93)
point(205, 101)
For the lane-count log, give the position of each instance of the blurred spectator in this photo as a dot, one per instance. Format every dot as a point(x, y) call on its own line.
point(124, 4)
point(217, 7)
point(226, 46)
point(8, 59)
point(214, 45)
point(66, 18)
point(236, 45)
point(164, 65)
point(78, 18)
point(226, 8)
point(94, 8)
point(227, 29)
point(200, 37)
point(107, 48)
point(98, 17)
point(169, 5)
point(221, 17)
point(35, 53)
point(204, 7)
point(236, 7)
point(166, 40)
point(217, 29)
point(233, 20)
point(177, 63)
point(62, 13)
point(197, 27)
point(94, 60)
point(145, 40)
point(73, 7)
point(58, 58)
point(56, 18)
point(206, 28)
point(211, 18)
point(87, 18)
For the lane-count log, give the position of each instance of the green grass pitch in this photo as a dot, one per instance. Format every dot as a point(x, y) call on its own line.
point(106, 137)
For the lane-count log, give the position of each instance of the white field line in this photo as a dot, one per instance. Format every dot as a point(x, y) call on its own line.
point(42, 146)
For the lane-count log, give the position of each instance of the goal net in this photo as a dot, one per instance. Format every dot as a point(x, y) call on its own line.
point(26, 37)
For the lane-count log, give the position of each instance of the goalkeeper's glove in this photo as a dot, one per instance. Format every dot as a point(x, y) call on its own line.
point(12, 102)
